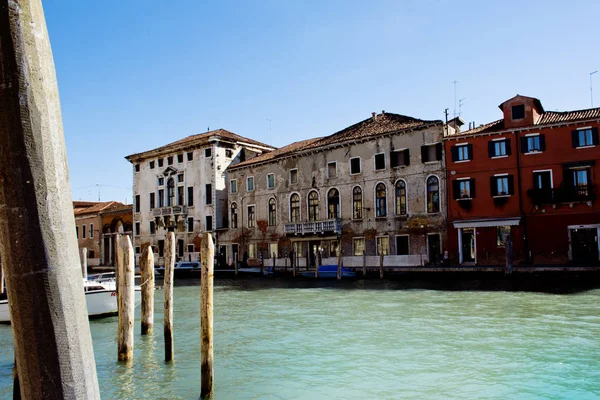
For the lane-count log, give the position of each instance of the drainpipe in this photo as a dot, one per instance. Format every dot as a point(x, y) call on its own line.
point(523, 217)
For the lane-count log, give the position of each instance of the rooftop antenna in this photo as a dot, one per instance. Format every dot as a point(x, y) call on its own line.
point(455, 82)
point(270, 139)
point(98, 185)
point(460, 104)
point(591, 91)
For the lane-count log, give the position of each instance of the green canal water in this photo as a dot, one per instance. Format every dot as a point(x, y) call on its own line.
point(354, 342)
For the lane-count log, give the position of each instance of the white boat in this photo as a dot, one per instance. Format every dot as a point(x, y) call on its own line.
point(100, 298)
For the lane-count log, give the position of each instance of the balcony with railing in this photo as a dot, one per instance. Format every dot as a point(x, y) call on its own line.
point(572, 194)
point(173, 210)
point(314, 227)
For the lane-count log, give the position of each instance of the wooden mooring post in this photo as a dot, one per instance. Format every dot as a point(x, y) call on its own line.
point(40, 257)
point(147, 273)
point(339, 261)
point(381, 265)
point(168, 292)
point(364, 263)
point(274, 262)
point(235, 264)
point(125, 297)
point(206, 316)
point(84, 263)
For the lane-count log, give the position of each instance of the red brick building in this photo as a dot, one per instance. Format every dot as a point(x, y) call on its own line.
point(531, 175)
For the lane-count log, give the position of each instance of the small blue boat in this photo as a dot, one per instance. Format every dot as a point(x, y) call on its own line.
point(329, 272)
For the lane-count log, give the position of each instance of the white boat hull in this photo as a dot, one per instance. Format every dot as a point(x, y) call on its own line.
point(99, 303)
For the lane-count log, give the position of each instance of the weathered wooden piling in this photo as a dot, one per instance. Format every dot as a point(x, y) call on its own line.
point(206, 316)
point(1, 280)
point(125, 298)
point(40, 257)
point(364, 263)
point(84, 263)
point(295, 264)
point(339, 261)
point(316, 263)
point(147, 275)
point(235, 264)
point(168, 291)
point(381, 265)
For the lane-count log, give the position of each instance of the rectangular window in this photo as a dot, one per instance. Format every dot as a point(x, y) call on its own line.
point(190, 224)
point(518, 112)
point(83, 231)
point(358, 246)
point(332, 169)
point(91, 230)
point(233, 186)
point(180, 195)
point(499, 148)
point(161, 181)
point(383, 245)
point(209, 225)
point(270, 181)
point(355, 165)
point(137, 203)
point(161, 248)
point(533, 143)
point(502, 185)
point(209, 193)
point(228, 153)
point(160, 162)
point(463, 188)
point(502, 232)
point(379, 161)
point(179, 158)
point(208, 152)
point(399, 158)
point(402, 247)
point(152, 228)
point(462, 152)
point(250, 184)
point(152, 200)
point(151, 164)
point(293, 176)
point(137, 229)
point(137, 167)
point(542, 180)
point(161, 198)
point(170, 160)
point(190, 196)
point(431, 152)
point(138, 249)
point(252, 253)
point(273, 250)
point(585, 137)
point(251, 217)
point(190, 156)
point(179, 177)
point(190, 248)
point(77, 232)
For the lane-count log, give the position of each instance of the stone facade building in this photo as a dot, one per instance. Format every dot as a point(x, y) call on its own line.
point(182, 187)
point(376, 186)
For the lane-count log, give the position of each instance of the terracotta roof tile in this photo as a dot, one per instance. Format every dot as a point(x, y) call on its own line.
point(495, 126)
point(279, 153)
point(97, 207)
point(552, 117)
point(195, 140)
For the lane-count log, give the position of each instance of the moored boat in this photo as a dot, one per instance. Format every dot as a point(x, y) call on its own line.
point(329, 272)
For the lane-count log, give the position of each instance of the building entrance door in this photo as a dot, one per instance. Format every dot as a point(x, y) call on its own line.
point(313, 248)
point(584, 244)
point(434, 248)
point(468, 245)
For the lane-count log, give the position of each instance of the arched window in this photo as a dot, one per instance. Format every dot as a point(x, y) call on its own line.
point(357, 206)
point(272, 212)
point(234, 216)
point(170, 192)
point(313, 206)
point(433, 194)
point(381, 200)
point(295, 208)
point(333, 204)
point(400, 198)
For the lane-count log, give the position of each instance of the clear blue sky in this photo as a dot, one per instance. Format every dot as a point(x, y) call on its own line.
point(134, 75)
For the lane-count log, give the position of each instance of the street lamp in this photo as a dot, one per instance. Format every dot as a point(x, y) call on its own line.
point(591, 91)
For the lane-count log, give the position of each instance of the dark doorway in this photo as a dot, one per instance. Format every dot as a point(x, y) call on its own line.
point(434, 248)
point(584, 243)
point(222, 261)
point(468, 245)
point(107, 250)
point(235, 252)
point(179, 249)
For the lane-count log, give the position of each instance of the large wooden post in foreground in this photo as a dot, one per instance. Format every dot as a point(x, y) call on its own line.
point(125, 296)
point(40, 258)
point(168, 292)
point(84, 262)
point(147, 275)
point(206, 315)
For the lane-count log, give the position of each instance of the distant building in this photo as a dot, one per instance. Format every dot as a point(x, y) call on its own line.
point(181, 187)
point(96, 224)
point(377, 186)
point(531, 175)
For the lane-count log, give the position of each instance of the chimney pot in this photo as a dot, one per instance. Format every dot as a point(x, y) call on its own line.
point(374, 115)
point(382, 112)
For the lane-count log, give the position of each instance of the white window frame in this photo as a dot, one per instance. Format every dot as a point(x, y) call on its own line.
point(359, 166)
point(289, 201)
point(235, 184)
point(253, 184)
point(396, 244)
point(308, 205)
point(377, 246)
point(91, 231)
point(503, 175)
point(248, 214)
point(290, 176)
point(534, 151)
point(336, 169)
point(545, 170)
point(354, 248)
point(375, 162)
point(470, 191)
point(274, 183)
point(585, 128)
point(502, 139)
point(458, 146)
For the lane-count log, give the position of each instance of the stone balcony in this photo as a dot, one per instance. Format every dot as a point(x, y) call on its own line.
point(173, 210)
point(314, 227)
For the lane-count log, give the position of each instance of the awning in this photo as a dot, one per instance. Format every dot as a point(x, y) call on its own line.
point(482, 223)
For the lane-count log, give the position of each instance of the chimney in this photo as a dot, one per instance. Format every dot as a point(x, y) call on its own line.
point(469, 126)
point(374, 115)
point(382, 112)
